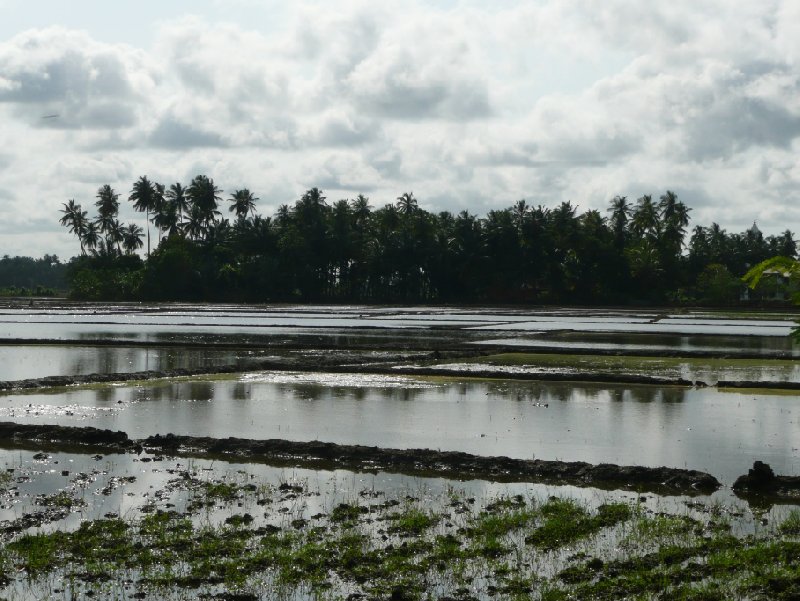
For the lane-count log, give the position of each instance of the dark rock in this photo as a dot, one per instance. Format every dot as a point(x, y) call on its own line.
point(761, 480)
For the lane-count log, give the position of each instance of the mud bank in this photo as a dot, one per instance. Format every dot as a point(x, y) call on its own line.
point(757, 384)
point(11, 432)
point(324, 455)
point(761, 481)
point(60, 381)
point(316, 364)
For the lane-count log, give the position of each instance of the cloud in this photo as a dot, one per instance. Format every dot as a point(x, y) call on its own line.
point(336, 128)
point(735, 124)
point(67, 73)
point(422, 71)
point(173, 134)
point(471, 105)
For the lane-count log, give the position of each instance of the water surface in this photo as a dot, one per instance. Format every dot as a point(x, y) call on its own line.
point(706, 429)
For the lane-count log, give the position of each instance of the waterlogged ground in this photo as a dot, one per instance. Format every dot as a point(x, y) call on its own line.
point(21, 362)
point(717, 431)
point(145, 526)
point(128, 526)
point(198, 323)
point(709, 370)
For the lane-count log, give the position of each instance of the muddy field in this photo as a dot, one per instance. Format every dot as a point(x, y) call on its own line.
point(545, 454)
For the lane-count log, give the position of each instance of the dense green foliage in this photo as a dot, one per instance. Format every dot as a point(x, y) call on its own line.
point(25, 276)
point(349, 251)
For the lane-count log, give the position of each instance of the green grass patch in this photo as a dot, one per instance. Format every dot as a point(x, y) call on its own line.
point(564, 522)
point(510, 548)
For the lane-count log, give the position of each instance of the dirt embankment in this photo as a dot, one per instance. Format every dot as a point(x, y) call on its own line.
point(59, 381)
point(324, 455)
point(316, 365)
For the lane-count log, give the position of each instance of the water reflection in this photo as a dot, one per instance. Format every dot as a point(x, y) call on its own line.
point(37, 361)
point(706, 429)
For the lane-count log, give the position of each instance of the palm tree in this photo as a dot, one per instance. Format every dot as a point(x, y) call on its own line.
point(132, 238)
point(115, 235)
point(406, 203)
point(520, 209)
point(177, 196)
point(90, 237)
point(243, 203)
point(645, 220)
point(159, 206)
point(143, 198)
point(620, 214)
point(204, 196)
point(107, 207)
point(166, 218)
point(361, 209)
point(194, 226)
point(75, 219)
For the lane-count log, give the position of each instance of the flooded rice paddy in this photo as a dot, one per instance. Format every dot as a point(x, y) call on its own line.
point(705, 429)
point(280, 387)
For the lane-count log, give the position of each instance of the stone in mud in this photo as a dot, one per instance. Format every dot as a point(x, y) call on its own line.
point(760, 479)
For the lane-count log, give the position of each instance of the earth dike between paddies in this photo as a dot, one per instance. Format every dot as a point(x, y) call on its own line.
point(423, 462)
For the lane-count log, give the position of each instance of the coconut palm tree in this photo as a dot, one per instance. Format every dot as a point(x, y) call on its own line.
point(107, 207)
point(194, 225)
point(519, 210)
point(166, 218)
point(143, 198)
point(132, 238)
point(159, 206)
point(361, 209)
point(645, 221)
point(115, 234)
point(91, 237)
point(406, 203)
point(177, 196)
point(75, 219)
point(204, 196)
point(243, 203)
point(620, 215)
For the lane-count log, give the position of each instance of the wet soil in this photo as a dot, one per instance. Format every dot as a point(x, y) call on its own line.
point(386, 364)
point(423, 462)
point(359, 363)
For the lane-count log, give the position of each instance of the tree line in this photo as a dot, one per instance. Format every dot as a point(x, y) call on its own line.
point(26, 276)
point(348, 250)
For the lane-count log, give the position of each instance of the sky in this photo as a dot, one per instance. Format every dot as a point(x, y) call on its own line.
point(469, 105)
